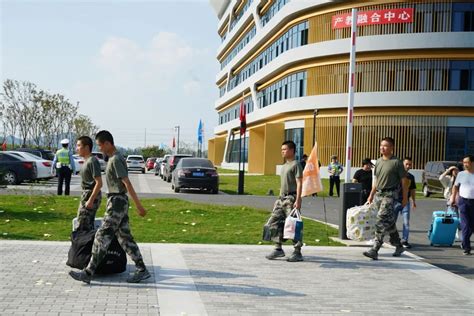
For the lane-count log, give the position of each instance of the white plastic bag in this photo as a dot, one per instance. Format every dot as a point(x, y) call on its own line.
point(293, 226)
point(360, 222)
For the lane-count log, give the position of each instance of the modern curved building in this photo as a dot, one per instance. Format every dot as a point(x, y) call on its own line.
point(287, 58)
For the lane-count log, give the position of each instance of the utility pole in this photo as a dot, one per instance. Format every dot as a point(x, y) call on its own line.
point(177, 144)
point(145, 138)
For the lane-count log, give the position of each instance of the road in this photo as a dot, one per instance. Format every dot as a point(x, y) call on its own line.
point(150, 186)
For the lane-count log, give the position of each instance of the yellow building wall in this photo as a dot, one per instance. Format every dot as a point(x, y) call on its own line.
point(256, 150)
point(274, 137)
point(216, 147)
point(308, 136)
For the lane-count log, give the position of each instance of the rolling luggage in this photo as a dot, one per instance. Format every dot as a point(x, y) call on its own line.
point(443, 228)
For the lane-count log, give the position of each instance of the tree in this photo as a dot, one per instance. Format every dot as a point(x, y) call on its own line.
point(152, 151)
point(83, 126)
point(20, 98)
point(39, 117)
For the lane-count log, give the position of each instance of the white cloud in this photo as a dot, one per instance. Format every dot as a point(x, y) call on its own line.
point(150, 86)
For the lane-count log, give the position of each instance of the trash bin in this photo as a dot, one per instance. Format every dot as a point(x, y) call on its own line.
point(351, 196)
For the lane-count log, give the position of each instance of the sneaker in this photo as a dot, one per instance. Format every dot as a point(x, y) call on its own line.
point(81, 276)
point(138, 276)
point(276, 253)
point(295, 257)
point(371, 254)
point(467, 252)
point(398, 251)
point(405, 244)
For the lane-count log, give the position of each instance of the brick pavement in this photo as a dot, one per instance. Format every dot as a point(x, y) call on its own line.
point(231, 280)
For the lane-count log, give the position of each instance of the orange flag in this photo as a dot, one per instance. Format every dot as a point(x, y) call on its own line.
point(311, 176)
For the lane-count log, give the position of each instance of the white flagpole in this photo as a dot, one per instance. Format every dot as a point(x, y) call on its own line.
point(350, 103)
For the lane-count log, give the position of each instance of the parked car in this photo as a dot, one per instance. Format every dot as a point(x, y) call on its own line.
point(195, 173)
point(78, 163)
point(101, 157)
point(150, 163)
point(15, 169)
point(43, 166)
point(43, 153)
point(159, 168)
point(431, 173)
point(136, 162)
point(170, 164)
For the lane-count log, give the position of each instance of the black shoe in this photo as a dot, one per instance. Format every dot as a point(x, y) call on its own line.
point(296, 256)
point(467, 252)
point(138, 276)
point(276, 253)
point(371, 254)
point(81, 276)
point(398, 251)
point(405, 244)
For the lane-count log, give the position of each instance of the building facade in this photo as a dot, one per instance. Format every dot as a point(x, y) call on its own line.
point(284, 59)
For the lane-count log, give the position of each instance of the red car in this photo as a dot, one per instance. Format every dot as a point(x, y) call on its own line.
point(150, 163)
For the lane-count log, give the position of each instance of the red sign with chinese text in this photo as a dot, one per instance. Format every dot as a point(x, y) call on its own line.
point(388, 16)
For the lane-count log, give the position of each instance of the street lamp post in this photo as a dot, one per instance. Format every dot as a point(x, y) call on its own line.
point(177, 144)
point(315, 113)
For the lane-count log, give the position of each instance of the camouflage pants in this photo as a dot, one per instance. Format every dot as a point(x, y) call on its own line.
point(115, 224)
point(386, 203)
point(282, 207)
point(85, 216)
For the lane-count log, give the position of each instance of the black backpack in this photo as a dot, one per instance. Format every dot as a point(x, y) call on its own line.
point(115, 261)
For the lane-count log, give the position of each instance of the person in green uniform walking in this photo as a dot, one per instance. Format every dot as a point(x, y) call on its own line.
point(116, 221)
point(91, 183)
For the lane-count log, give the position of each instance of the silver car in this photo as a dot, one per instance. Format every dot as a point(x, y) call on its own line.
point(101, 157)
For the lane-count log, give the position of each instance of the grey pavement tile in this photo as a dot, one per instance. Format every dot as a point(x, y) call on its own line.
point(331, 281)
point(231, 280)
point(45, 288)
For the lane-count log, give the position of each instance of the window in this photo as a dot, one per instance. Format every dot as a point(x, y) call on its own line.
point(239, 15)
point(234, 149)
point(459, 142)
point(274, 8)
point(463, 17)
point(242, 43)
point(280, 91)
point(297, 136)
point(461, 75)
point(297, 33)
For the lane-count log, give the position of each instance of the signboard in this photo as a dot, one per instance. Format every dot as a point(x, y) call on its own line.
point(388, 16)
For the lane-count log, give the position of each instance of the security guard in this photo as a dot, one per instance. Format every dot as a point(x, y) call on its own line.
point(64, 164)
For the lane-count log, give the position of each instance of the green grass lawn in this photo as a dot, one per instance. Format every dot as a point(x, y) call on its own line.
point(221, 170)
point(259, 185)
point(167, 221)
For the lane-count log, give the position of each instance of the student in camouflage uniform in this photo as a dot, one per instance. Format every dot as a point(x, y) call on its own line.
point(91, 185)
point(116, 221)
point(290, 197)
point(389, 176)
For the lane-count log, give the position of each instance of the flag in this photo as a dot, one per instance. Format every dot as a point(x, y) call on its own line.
point(173, 143)
point(243, 121)
point(311, 175)
point(200, 132)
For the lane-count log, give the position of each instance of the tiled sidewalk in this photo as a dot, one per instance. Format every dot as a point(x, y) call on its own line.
point(231, 280)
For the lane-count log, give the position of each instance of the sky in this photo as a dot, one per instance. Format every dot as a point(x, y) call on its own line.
point(137, 68)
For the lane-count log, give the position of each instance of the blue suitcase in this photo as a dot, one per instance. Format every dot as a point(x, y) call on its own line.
point(443, 228)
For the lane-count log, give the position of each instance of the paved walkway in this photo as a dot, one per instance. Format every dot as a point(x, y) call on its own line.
point(231, 280)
